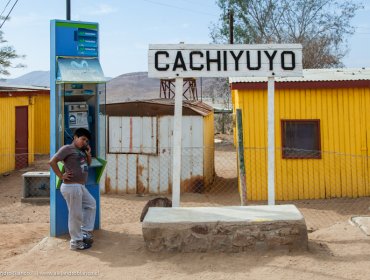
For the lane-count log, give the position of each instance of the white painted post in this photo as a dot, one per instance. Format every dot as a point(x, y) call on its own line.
point(177, 131)
point(271, 140)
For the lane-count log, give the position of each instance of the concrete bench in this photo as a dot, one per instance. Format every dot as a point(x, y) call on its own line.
point(225, 229)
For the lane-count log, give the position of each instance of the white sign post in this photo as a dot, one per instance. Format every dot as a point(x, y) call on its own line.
point(189, 61)
point(271, 140)
point(177, 134)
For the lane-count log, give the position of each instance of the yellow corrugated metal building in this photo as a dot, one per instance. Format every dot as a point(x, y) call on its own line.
point(28, 109)
point(322, 134)
point(208, 153)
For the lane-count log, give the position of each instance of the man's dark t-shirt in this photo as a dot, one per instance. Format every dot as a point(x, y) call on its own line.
point(75, 161)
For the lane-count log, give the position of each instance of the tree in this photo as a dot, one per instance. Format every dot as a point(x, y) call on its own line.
point(321, 26)
point(7, 56)
point(219, 91)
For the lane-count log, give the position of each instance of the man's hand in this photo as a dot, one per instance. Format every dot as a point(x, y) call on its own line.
point(88, 150)
point(66, 175)
point(54, 165)
point(88, 154)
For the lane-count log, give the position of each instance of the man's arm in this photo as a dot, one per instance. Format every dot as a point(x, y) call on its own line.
point(54, 165)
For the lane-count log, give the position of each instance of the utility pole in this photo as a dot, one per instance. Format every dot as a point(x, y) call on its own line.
point(231, 26)
point(231, 40)
point(68, 9)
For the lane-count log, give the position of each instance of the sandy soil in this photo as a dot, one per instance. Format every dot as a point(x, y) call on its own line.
point(337, 249)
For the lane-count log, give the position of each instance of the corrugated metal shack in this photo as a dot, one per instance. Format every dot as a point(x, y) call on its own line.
point(140, 137)
point(322, 134)
point(24, 119)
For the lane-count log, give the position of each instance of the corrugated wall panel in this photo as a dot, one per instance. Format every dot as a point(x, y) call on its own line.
point(359, 145)
point(186, 153)
point(209, 150)
point(133, 135)
point(42, 124)
point(165, 125)
point(197, 129)
point(154, 174)
point(343, 170)
point(125, 131)
point(115, 134)
point(112, 181)
point(142, 174)
point(136, 126)
point(102, 135)
point(132, 173)
point(366, 146)
point(278, 167)
point(192, 153)
point(149, 133)
point(121, 173)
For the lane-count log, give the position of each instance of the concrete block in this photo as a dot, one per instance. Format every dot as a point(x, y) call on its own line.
point(225, 229)
point(36, 186)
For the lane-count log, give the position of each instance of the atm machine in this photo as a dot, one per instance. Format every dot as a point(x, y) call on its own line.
point(77, 99)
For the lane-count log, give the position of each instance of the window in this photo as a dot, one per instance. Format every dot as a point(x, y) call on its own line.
point(301, 138)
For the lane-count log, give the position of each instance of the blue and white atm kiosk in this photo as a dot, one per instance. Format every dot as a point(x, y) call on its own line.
point(77, 99)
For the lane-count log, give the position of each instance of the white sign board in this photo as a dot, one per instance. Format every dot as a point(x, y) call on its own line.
point(183, 60)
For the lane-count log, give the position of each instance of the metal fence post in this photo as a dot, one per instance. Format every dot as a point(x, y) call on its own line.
point(242, 179)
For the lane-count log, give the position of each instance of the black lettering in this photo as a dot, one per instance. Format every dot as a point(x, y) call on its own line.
point(271, 59)
point(213, 60)
point(225, 60)
point(156, 63)
point(192, 67)
point(283, 60)
point(178, 59)
point(236, 58)
point(258, 61)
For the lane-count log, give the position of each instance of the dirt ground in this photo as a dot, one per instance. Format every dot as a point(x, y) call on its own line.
point(337, 249)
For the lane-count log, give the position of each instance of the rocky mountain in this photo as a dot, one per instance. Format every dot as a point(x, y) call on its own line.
point(125, 87)
point(132, 86)
point(137, 86)
point(34, 78)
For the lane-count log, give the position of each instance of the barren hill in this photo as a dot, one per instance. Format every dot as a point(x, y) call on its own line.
point(132, 86)
point(125, 87)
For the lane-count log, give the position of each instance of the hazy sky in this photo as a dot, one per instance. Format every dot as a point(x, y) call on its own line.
point(128, 27)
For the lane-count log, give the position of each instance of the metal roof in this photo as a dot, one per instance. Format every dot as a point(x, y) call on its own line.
point(315, 75)
point(14, 91)
point(6, 87)
point(160, 106)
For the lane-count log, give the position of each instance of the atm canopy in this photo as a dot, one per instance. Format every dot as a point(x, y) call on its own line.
point(82, 70)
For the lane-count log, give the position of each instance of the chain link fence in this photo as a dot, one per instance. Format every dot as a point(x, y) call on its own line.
point(328, 189)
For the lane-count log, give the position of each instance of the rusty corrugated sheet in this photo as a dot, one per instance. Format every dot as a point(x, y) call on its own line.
point(152, 173)
point(157, 107)
point(135, 135)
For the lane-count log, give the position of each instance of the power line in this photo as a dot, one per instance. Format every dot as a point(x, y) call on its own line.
point(195, 2)
point(179, 8)
point(9, 13)
point(5, 8)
